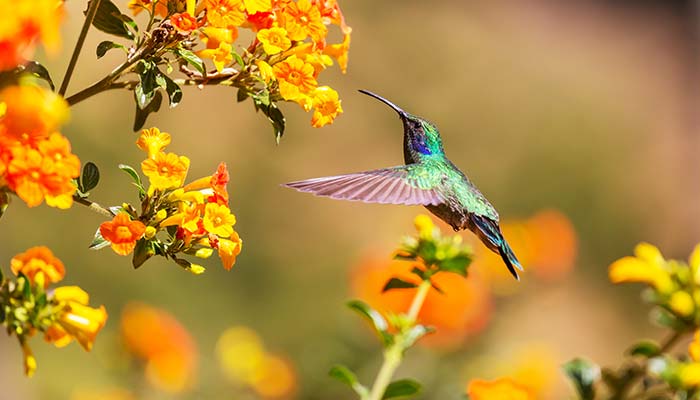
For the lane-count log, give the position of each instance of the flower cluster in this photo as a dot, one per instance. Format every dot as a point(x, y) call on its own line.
point(283, 61)
point(36, 161)
point(27, 305)
point(499, 389)
point(25, 22)
point(155, 337)
point(194, 218)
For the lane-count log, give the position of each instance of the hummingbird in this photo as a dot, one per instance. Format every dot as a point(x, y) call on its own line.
point(429, 179)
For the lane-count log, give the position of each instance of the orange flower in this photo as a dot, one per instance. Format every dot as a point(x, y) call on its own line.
point(212, 37)
point(123, 233)
point(221, 56)
point(225, 13)
point(166, 171)
point(31, 112)
point(330, 12)
point(25, 22)
point(38, 261)
point(184, 22)
point(153, 141)
point(326, 105)
point(156, 337)
point(218, 220)
point(340, 52)
point(302, 19)
point(229, 250)
point(464, 309)
point(295, 77)
point(76, 320)
point(499, 389)
point(219, 181)
point(257, 6)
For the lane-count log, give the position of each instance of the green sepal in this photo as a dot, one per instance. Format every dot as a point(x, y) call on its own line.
point(398, 283)
point(401, 388)
point(142, 252)
point(98, 242)
point(584, 374)
point(237, 58)
point(645, 348)
point(415, 333)
point(375, 318)
point(89, 178)
point(110, 20)
point(106, 46)
point(346, 376)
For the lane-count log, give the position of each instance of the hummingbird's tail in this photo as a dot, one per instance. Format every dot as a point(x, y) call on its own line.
point(490, 233)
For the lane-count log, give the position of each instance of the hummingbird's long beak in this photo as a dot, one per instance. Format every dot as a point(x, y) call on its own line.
point(396, 108)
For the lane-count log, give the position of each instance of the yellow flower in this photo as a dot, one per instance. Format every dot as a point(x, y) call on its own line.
point(295, 77)
point(166, 171)
point(694, 347)
point(340, 52)
point(153, 141)
point(78, 320)
point(682, 303)
point(424, 225)
point(212, 37)
point(326, 106)
point(690, 374)
point(499, 389)
point(302, 19)
point(225, 13)
point(647, 267)
point(256, 6)
point(694, 264)
point(274, 40)
point(218, 220)
point(229, 250)
point(265, 70)
point(221, 56)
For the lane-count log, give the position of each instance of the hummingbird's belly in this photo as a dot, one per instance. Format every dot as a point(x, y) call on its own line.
point(457, 220)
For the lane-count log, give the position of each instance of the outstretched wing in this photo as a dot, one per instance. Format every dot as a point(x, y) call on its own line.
point(406, 184)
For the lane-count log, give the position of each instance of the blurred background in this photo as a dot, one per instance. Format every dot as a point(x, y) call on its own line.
point(578, 120)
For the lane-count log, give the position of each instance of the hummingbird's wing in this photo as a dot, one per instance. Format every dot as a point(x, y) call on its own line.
point(396, 185)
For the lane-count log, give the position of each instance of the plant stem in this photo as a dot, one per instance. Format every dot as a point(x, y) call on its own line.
point(104, 83)
point(94, 206)
point(93, 5)
point(394, 353)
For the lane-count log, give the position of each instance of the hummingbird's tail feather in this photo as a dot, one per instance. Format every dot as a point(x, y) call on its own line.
point(386, 186)
point(490, 233)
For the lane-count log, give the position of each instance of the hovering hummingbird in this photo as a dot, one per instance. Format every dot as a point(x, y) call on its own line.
point(429, 179)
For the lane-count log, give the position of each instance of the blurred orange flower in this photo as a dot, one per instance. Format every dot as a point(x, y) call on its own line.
point(38, 261)
point(499, 389)
point(161, 6)
point(76, 319)
point(463, 309)
point(546, 245)
point(123, 233)
point(155, 336)
point(32, 112)
point(25, 22)
point(102, 394)
point(244, 360)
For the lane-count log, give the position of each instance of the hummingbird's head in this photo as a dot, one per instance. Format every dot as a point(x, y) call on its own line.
point(422, 136)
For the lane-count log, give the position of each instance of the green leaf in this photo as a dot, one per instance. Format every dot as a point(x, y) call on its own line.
point(344, 375)
point(39, 71)
point(132, 173)
point(26, 286)
point(145, 90)
point(142, 252)
point(274, 115)
point(375, 318)
point(142, 114)
point(397, 283)
point(106, 46)
point(110, 20)
point(191, 59)
point(457, 264)
point(401, 388)
point(90, 177)
point(646, 348)
point(173, 90)
point(584, 374)
point(98, 242)
point(237, 58)
point(242, 95)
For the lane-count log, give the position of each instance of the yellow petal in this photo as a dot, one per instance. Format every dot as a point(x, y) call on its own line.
point(631, 269)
